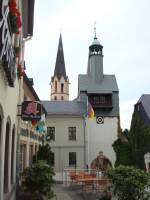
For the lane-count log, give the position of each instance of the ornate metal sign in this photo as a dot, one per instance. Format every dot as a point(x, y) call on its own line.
point(6, 50)
point(31, 110)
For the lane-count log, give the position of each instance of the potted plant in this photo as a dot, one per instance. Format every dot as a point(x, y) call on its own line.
point(38, 181)
point(14, 17)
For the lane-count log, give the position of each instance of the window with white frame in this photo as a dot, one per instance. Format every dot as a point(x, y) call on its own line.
point(51, 133)
point(72, 158)
point(72, 133)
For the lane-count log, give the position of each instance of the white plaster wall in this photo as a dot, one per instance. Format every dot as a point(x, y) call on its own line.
point(100, 137)
point(62, 146)
point(61, 125)
point(8, 101)
point(62, 157)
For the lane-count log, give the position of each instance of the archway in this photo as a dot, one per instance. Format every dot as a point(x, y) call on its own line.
point(0, 134)
point(1, 121)
point(6, 157)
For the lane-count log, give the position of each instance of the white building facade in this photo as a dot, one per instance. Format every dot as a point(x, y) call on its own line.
point(101, 92)
point(12, 32)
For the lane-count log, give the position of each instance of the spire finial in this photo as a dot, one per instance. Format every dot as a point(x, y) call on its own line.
point(95, 31)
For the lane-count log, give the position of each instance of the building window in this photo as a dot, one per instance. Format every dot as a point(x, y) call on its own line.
point(6, 157)
point(55, 98)
point(51, 133)
point(12, 155)
point(62, 87)
point(23, 148)
point(62, 98)
point(0, 133)
point(31, 155)
point(72, 133)
point(103, 100)
point(52, 160)
point(55, 86)
point(36, 149)
point(72, 158)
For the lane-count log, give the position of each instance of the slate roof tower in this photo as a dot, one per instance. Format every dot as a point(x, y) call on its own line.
point(101, 91)
point(60, 81)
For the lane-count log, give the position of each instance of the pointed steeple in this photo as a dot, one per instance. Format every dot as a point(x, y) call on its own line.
point(60, 69)
point(60, 81)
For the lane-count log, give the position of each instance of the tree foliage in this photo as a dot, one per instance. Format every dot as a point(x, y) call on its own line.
point(44, 153)
point(38, 180)
point(123, 149)
point(129, 183)
point(139, 138)
point(123, 152)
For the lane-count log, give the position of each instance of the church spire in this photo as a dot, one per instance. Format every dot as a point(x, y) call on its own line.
point(60, 69)
point(60, 81)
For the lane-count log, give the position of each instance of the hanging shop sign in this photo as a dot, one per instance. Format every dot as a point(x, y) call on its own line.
point(31, 110)
point(7, 56)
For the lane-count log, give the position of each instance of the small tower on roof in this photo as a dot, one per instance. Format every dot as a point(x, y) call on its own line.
point(95, 60)
point(60, 81)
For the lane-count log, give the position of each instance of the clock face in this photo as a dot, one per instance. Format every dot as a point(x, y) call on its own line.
point(100, 120)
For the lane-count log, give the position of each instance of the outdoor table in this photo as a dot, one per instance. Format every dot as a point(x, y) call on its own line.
point(94, 182)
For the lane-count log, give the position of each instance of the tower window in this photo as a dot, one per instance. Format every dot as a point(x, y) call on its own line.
point(62, 87)
point(55, 86)
point(55, 98)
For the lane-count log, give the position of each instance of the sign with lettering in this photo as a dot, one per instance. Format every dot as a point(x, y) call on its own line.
point(6, 49)
point(31, 110)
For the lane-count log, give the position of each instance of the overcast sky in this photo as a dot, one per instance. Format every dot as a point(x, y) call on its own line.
point(123, 28)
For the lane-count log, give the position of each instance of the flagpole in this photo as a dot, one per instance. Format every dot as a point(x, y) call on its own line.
point(88, 136)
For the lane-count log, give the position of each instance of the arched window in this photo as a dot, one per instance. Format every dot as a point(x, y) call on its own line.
point(12, 155)
point(1, 120)
point(55, 86)
point(6, 161)
point(0, 133)
point(62, 87)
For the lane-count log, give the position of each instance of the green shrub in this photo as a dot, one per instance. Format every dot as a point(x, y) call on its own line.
point(38, 179)
point(129, 183)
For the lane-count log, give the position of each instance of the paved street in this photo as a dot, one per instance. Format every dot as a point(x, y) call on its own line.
point(72, 193)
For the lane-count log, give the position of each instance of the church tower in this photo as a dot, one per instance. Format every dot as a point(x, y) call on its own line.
point(59, 81)
point(101, 91)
